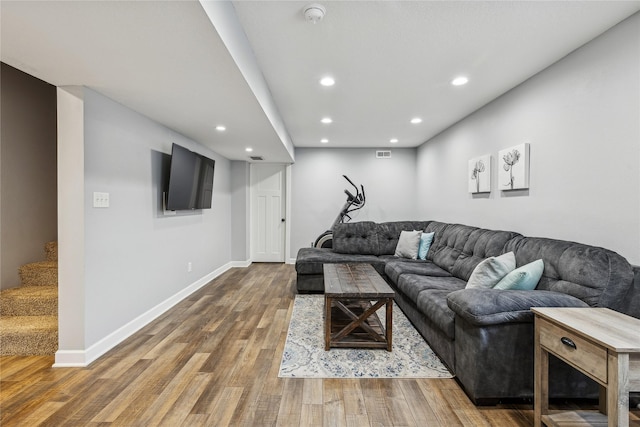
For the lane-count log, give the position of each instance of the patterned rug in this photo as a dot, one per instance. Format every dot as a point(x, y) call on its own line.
point(304, 355)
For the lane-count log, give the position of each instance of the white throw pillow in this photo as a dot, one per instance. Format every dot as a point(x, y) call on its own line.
point(408, 243)
point(491, 270)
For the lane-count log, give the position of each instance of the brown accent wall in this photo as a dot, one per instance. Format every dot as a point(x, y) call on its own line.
point(28, 189)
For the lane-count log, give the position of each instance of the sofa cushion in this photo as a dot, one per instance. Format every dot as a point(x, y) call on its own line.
point(389, 232)
point(448, 244)
point(396, 267)
point(485, 307)
point(481, 244)
point(597, 276)
point(310, 260)
point(356, 238)
point(412, 284)
point(433, 303)
point(491, 270)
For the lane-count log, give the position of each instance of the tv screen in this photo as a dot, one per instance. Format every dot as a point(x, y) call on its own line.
point(190, 180)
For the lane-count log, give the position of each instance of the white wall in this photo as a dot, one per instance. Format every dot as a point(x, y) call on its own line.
point(71, 242)
point(581, 117)
point(135, 257)
point(317, 188)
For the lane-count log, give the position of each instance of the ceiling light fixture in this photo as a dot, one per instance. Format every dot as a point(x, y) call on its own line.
point(459, 81)
point(314, 12)
point(327, 81)
point(416, 120)
point(248, 149)
point(221, 128)
point(324, 140)
point(393, 140)
point(326, 120)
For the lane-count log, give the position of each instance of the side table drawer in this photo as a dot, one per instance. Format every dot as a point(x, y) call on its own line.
point(587, 356)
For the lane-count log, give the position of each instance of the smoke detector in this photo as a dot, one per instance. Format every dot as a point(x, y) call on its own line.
point(314, 12)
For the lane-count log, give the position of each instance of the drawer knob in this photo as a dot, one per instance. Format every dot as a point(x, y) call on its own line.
point(568, 342)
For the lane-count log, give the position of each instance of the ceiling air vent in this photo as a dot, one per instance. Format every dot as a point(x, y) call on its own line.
point(256, 157)
point(383, 154)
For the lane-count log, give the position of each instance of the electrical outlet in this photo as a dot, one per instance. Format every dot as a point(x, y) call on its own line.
point(189, 267)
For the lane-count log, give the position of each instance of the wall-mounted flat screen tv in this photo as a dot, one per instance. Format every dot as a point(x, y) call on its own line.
point(190, 180)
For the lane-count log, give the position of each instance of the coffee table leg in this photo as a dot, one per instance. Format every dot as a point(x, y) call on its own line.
point(389, 322)
point(327, 323)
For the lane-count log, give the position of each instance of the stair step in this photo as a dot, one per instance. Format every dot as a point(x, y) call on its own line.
point(41, 273)
point(51, 250)
point(29, 301)
point(28, 335)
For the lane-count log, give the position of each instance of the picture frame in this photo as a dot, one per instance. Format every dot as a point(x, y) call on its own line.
point(479, 174)
point(513, 170)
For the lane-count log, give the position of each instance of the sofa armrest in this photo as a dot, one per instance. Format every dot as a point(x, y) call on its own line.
point(483, 307)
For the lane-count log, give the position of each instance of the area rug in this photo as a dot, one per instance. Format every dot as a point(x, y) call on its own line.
point(304, 355)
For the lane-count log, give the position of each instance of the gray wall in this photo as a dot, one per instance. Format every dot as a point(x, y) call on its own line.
point(317, 188)
point(581, 117)
point(28, 171)
point(135, 257)
point(240, 211)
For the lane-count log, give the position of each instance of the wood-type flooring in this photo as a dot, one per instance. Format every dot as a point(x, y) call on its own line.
point(213, 360)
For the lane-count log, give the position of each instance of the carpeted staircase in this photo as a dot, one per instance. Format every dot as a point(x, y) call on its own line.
point(29, 313)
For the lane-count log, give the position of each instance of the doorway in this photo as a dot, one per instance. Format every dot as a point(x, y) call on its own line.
point(268, 221)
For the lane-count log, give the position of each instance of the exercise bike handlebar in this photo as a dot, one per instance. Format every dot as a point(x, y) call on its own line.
point(350, 197)
point(359, 198)
point(353, 203)
point(350, 182)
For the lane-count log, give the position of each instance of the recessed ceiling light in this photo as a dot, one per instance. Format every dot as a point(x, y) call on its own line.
point(248, 149)
point(459, 81)
point(393, 140)
point(221, 128)
point(327, 81)
point(324, 140)
point(326, 120)
point(416, 120)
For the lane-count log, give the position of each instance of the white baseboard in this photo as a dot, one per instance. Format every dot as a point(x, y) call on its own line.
point(70, 359)
point(291, 261)
point(240, 264)
point(82, 358)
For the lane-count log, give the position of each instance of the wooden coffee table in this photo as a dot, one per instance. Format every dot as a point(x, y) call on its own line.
point(352, 295)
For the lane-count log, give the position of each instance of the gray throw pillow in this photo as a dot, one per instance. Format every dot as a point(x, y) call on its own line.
point(408, 244)
point(491, 270)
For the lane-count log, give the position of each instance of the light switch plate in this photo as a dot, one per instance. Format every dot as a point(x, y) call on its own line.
point(100, 200)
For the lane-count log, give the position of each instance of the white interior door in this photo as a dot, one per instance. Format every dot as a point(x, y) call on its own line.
point(267, 212)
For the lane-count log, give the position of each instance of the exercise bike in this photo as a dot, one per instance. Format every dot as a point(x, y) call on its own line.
point(353, 203)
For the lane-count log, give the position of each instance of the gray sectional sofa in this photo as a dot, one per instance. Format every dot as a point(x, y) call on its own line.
point(484, 336)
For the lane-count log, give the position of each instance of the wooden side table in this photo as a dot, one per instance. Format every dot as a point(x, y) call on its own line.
point(602, 344)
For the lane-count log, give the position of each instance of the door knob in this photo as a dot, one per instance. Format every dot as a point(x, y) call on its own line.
point(282, 220)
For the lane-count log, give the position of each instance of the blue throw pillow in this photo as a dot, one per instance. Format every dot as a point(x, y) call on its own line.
point(525, 278)
point(425, 243)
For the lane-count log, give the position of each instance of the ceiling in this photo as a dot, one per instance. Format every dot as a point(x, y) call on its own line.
point(255, 66)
